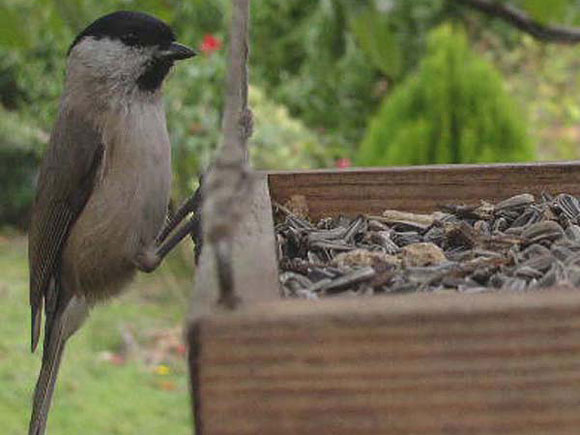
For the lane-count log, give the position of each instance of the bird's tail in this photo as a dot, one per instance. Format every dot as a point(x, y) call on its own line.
point(51, 358)
point(57, 331)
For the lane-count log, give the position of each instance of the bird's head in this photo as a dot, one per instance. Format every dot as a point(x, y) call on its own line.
point(126, 50)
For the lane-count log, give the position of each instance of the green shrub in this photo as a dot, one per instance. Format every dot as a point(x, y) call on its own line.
point(195, 98)
point(455, 109)
point(281, 141)
point(305, 57)
point(19, 159)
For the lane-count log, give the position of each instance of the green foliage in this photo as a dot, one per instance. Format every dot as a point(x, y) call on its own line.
point(454, 110)
point(18, 163)
point(560, 11)
point(12, 33)
point(280, 141)
point(330, 61)
point(194, 93)
point(306, 58)
point(547, 77)
point(194, 117)
point(278, 37)
point(93, 395)
point(194, 100)
point(378, 41)
point(544, 11)
point(393, 34)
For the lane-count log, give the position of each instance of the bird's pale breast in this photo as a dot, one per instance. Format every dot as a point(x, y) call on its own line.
point(127, 206)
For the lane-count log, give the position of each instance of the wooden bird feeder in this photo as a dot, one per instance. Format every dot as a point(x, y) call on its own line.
point(449, 364)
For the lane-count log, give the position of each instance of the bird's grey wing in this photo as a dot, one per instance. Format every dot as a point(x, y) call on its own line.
point(67, 176)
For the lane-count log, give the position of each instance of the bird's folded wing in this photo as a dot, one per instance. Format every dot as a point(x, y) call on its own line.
point(67, 176)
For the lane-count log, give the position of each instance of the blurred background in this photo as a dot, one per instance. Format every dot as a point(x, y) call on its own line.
point(334, 83)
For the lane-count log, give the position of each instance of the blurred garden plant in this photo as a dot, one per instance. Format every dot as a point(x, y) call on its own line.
point(18, 161)
point(31, 76)
point(455, 109)
point(321, 70)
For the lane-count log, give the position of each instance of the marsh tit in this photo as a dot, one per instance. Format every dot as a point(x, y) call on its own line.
point(104, 183)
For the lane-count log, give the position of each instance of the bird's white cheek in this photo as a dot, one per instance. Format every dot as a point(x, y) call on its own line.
point(109, 62)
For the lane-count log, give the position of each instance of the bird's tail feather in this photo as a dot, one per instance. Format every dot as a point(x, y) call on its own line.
point(51, 359)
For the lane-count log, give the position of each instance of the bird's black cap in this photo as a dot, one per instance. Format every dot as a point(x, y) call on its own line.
point(133, 28)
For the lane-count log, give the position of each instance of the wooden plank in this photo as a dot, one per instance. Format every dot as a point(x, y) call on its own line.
point(420, 188)
point(255, 267)
point(414, 364)
point(498, 363)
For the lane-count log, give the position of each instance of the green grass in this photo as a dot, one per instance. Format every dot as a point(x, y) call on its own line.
point(94, 395)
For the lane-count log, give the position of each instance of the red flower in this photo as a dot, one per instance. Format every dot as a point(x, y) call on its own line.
point(210, 44)
point(117, 359)
point(181, 349)
point(343, 162)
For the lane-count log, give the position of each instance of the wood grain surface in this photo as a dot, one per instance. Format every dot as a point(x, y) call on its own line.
point(419, 188)
point(419, 364)
point(255, 267)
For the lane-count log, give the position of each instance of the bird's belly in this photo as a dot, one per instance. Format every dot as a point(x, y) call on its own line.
point(121, 219)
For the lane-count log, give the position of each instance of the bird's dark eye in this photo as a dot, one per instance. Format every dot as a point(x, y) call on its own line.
point(130, 38)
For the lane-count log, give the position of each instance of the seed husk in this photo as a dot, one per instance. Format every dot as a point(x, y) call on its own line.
point(519, 244)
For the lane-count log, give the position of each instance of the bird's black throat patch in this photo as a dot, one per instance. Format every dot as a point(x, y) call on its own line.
point(154, 75)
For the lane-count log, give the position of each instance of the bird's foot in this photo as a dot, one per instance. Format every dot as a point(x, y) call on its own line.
point(147, 261)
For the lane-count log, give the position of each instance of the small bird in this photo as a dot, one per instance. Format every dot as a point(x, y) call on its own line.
point(104, 184)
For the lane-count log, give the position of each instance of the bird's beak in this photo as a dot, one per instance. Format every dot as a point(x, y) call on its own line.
point(177, 51)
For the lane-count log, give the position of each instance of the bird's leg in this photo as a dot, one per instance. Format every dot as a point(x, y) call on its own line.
point(151, 258)
point(167, 245)
point(191, 205)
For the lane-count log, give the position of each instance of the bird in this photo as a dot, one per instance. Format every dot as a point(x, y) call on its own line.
point(103, 189)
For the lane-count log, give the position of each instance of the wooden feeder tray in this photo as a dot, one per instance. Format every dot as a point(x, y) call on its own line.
point(421, 363)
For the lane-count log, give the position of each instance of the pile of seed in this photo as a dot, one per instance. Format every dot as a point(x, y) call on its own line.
point(522, 243)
